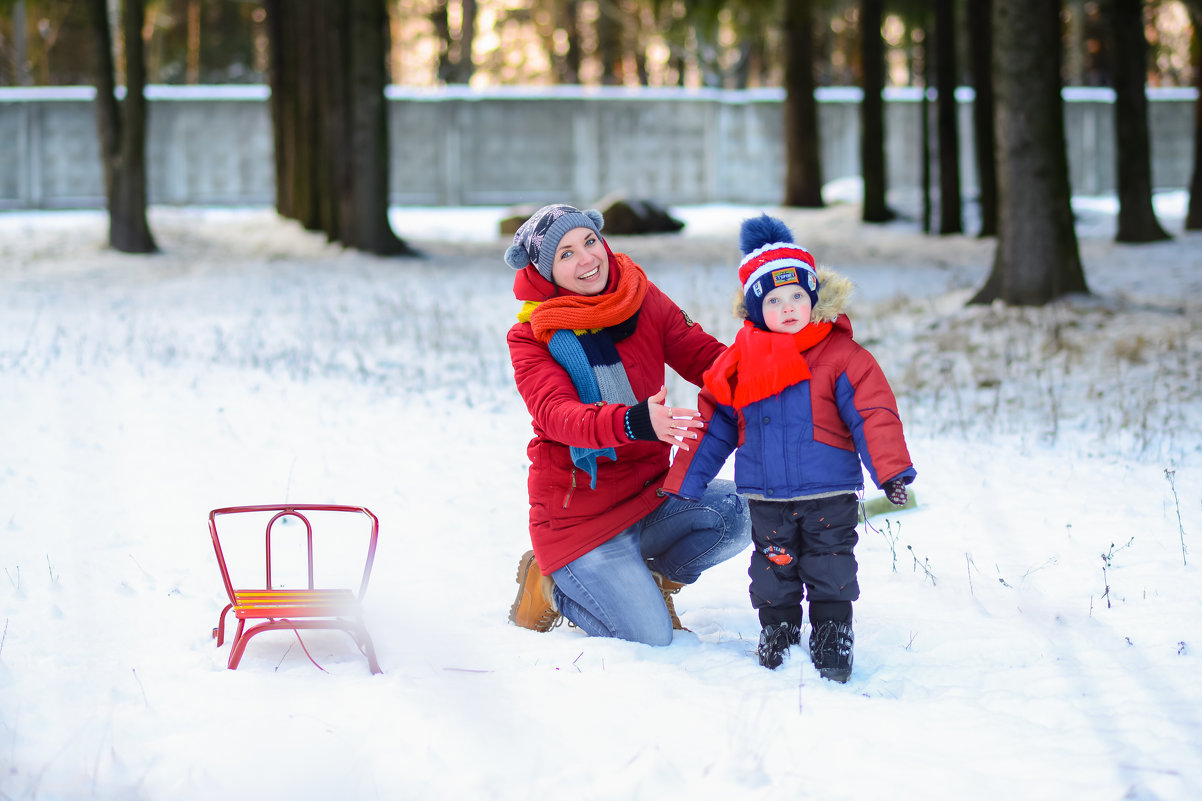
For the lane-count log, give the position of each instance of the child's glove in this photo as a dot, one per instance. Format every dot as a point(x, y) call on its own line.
point(895, 491)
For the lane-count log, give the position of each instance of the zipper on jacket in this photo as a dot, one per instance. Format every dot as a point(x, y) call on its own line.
point(568, 498)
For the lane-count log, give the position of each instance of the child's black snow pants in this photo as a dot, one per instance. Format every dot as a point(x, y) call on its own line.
point(804, 548)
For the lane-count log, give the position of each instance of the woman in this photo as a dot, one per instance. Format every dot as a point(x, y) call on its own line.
point(592, 339)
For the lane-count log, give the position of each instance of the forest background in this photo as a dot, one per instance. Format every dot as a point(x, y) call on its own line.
point(328, 65)
point(700, 43)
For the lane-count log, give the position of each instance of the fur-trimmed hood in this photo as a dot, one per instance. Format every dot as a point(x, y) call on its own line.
point(834, 293)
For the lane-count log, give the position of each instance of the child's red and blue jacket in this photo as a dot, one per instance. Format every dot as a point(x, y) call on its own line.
point(809, 439)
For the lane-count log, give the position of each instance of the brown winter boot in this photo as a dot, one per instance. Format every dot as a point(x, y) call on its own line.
point(534, 607)
point(669, 588)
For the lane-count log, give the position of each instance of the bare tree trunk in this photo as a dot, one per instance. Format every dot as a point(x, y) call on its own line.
point(292, 104)
point(467, 39)
point(454, 52)
point(567, 68)
point(950, 216)
point(872, 114)
point(313, 59)
point(282, 77)
point(1136, 218)
point(803, 165)
point(328, 74)
point(640, 23)
point(980, 33)
point(121, 128)
point(440, 19)
point(367, 42)
point(1193, 218)
point(924, 124)
point(924, 138)
point(1076, 42)
point(192, 71)
point(20, 50)
point(338, 211)
point(1037, 259)
point(609, 42)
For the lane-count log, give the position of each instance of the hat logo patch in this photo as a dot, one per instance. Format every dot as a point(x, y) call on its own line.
point(786, 275)
point(813, 281)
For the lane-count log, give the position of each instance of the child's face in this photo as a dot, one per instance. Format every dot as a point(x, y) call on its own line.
point(787, 309)
point(581, 263)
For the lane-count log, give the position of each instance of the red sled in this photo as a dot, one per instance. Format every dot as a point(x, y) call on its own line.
point(308, 607)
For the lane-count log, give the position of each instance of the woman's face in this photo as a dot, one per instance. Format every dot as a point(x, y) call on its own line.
point(581, 262)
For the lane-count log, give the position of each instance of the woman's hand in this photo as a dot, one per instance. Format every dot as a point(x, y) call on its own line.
point(671, 424)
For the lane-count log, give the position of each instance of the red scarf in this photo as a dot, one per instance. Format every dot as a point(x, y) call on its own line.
point(582, 312)
point(762, 363)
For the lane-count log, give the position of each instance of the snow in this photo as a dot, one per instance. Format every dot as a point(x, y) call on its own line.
point(1032, 630)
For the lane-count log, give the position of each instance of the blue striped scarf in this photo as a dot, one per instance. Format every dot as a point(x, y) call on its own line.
point(596, 370)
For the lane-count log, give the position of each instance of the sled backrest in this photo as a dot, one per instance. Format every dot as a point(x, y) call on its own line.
point(284, 513)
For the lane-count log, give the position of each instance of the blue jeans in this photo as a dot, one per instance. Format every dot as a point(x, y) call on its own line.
point(609, 591)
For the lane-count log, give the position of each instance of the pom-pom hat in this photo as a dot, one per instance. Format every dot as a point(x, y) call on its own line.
point(771, 259)
point(536, 241)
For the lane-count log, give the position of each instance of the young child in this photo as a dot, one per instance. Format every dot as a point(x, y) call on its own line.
point(804, 405)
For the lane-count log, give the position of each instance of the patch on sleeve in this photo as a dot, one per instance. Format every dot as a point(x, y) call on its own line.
point(687, 319)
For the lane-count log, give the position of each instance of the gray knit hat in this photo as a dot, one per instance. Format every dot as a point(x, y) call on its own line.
point(538, 238)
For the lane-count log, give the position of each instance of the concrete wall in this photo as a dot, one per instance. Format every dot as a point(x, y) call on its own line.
point(213, 145)
point(203, 147)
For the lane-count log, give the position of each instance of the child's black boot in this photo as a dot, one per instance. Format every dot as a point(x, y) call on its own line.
point(775, 639)
point(831, 639)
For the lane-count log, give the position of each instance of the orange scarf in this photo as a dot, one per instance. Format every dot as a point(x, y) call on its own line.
point(583, 312)
point(762, 363)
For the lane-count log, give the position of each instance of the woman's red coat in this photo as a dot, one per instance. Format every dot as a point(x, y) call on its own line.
point(567, 518)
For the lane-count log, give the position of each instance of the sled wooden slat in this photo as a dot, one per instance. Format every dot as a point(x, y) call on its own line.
point(295, 609)
point(294, 603)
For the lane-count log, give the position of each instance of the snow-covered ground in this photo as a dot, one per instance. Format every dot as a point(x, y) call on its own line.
point(1033, 630)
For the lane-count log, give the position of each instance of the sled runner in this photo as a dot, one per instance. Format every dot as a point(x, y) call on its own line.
point(280, 607)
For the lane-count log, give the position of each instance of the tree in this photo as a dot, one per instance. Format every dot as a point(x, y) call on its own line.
point(328, 73)
point(980, 33)
point(950, 217)
point(872, 114)
point(924, 115)
point(455, 47)
point(1193, 218)
point(803, 164)
point(610, 30)
point(1037, 259)
point(567, 66)
point(121, 127)
point(1136, 218)
point(557, 25)
point(20, 55)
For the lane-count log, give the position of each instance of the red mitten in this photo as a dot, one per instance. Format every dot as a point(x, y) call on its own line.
point(895, 491)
